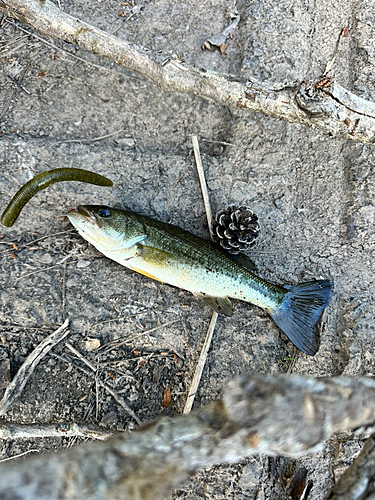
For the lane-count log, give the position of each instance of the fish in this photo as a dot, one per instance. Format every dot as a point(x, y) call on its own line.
point(172, 255)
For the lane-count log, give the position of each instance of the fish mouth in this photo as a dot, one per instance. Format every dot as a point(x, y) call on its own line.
point(87, 214)
point(82, 211)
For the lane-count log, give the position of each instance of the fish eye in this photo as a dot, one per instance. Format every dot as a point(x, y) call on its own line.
point(104, 212)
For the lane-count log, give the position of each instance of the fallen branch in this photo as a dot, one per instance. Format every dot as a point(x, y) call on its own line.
point(326, 106)
point(288, 415)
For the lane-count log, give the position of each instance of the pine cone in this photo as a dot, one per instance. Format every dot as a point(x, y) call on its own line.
point(236, 229)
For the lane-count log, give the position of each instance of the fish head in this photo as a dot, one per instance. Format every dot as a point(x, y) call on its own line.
point(108, 229)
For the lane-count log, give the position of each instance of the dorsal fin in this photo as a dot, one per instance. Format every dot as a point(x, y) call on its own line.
point(244, 261)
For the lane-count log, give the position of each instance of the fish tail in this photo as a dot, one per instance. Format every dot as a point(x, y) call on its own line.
point(300, 311)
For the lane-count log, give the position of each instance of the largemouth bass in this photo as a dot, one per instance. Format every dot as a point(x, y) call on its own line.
point(172, 255)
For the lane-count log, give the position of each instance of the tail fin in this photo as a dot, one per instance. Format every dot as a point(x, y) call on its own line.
point(299, 313)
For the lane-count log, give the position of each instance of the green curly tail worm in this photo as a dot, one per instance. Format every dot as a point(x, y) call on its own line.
point(42, 181)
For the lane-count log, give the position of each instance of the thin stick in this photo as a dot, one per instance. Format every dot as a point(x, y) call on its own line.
point(200, 365)
point(92, 367)
point(19, 85)
point(41, 270)
point(5, 109)
point(59, 430)
point(94, 138)
point(12, 41)
point(19, 455)
point(59, 48)
point(207, 343)
point(140, 334)
point(330, 63)
point(34, 241)
point(218, 142)
point(202, 180)
point(18, 383)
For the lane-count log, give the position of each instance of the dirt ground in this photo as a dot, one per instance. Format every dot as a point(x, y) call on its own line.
point(314, 195)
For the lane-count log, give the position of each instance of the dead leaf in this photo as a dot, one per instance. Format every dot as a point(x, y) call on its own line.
point(91, 344)
point(222, 48)
point(167, 397)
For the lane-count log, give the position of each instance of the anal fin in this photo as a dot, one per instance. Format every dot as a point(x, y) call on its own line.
point(221, 305)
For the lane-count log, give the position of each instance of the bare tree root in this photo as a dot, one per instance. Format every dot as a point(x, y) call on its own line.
point(289, 415)
point(323, 105)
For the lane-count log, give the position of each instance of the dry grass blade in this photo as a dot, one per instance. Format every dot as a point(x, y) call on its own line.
point(15, 388)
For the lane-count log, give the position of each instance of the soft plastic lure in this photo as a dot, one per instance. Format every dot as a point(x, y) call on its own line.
point(42, 181)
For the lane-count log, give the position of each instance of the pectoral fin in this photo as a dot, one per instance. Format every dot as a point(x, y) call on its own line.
point(153, 256)
point(221, 305)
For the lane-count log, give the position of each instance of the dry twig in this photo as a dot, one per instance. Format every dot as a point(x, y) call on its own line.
point(11, 97)
point(207, 342)
point(118, 398)
point(328, 108)
point(60, 430)
point(202, 180)
point(18, 383)
point(200, 365)
point(288, 415)
point(14, 457)
point(93, 139)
